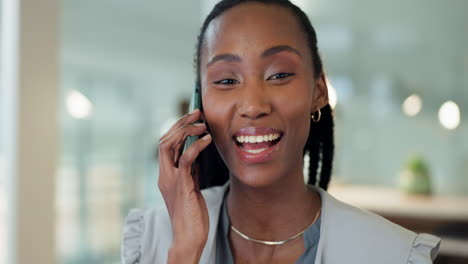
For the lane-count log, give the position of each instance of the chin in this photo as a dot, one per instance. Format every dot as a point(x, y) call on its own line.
point(257, 176)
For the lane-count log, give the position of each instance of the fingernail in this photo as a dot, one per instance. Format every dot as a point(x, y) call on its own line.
point(206, 137)
point(199, 124)
point(194, 111)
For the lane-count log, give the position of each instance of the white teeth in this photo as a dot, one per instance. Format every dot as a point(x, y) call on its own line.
point(240, 139)
point(257, 139)
point(254, 151)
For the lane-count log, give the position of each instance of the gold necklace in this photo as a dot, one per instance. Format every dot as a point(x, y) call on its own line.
point(274, 243)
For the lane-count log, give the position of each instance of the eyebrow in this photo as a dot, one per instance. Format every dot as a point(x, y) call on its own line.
point(277, 49)
point(229, 57)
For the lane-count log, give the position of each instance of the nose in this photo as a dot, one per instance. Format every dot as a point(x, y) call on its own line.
point(255, 103)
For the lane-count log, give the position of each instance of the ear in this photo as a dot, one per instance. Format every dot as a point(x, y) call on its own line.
point(320, 93)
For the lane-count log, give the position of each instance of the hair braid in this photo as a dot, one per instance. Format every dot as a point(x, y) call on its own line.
point(320, 148)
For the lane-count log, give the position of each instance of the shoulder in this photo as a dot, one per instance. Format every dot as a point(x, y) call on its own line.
point(147, 233)
point(359, 220)
point(141, 232)
point(360, 234)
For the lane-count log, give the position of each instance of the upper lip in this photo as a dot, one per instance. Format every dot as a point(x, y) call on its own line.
point(256, 131)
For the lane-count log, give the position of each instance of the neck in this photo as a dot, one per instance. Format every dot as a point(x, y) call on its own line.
point(274, 212)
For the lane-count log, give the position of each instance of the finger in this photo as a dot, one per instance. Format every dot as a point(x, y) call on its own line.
point(178, 152)
point(181, 146)
point(185, 120)
point(189, 156)
point(170, 147)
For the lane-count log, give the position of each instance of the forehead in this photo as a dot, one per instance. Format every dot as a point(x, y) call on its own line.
point(252, 28)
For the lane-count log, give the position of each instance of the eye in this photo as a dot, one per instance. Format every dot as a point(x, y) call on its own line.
point(227, 81)
point(280, 75)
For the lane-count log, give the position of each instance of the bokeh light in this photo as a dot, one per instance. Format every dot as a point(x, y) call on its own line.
point(412, 105)
point(449, 115)
point(78, 105)
point(332, 96)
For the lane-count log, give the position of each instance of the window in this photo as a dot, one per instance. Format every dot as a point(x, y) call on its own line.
point(125, 77)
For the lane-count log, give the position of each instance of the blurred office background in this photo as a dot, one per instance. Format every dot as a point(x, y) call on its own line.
point(399, 84)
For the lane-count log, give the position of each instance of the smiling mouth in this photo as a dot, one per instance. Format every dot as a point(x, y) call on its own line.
point(255, 144)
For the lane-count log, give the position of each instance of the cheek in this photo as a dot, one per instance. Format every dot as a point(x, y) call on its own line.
point(217, 113)
point(295, 106)
point(299, 124)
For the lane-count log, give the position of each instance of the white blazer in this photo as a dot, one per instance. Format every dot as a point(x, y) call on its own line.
point(347, 235)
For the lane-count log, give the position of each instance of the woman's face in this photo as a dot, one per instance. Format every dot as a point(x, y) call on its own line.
point(258, 91)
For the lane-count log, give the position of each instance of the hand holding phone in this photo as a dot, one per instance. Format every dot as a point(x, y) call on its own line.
point(179, 187)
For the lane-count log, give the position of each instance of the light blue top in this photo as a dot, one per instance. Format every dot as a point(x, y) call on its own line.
point(347, 235)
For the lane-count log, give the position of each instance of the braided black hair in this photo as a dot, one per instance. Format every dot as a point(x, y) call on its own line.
point(319, 146)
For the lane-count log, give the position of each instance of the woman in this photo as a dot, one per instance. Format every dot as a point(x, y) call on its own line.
point(265, 105)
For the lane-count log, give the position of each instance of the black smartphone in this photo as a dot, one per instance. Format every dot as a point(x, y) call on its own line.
point(195, 103)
